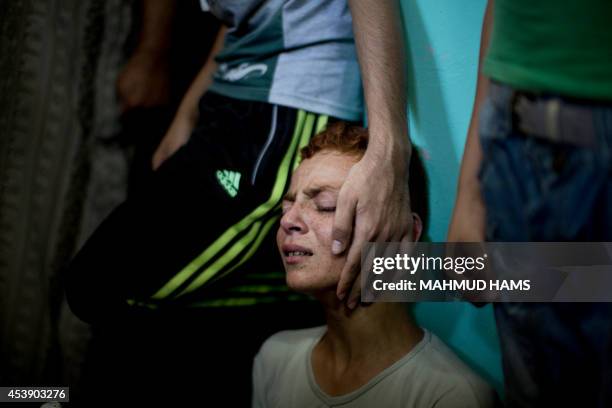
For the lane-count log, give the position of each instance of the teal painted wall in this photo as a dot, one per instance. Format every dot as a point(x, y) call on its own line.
point(443, 39)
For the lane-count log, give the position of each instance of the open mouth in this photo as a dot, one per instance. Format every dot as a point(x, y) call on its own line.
point(294, 254)
point(298, 253)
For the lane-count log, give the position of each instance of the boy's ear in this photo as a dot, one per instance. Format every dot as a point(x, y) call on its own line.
point(417, 227)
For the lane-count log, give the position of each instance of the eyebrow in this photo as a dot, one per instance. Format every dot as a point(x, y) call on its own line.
point(289, 197)
point(312, 191)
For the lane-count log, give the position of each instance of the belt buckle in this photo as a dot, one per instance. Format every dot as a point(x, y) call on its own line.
point(537, 117)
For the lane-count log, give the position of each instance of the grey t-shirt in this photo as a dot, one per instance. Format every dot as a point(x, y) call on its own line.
point(430, 375)
point(294, 53)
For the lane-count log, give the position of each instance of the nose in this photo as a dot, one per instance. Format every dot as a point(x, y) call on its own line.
point(292, 221)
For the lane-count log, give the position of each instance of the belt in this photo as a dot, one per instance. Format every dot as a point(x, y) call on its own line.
point(554, 119)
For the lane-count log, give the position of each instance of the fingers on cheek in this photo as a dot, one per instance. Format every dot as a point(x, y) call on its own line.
point(397, 234)
point(351, 268)
point(355, 295)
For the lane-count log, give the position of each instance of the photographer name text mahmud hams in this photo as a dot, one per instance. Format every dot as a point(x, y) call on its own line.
point(454, 285)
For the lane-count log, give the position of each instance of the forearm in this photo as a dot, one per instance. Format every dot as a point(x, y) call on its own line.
point(380, 48)
point(472, 155)
point(188, 108)
point(156, 31)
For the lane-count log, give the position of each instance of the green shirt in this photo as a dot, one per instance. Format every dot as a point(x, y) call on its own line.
point(556, 46)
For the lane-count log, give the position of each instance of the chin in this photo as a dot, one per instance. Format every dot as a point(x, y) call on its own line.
point(299, 284)
point(308, 283)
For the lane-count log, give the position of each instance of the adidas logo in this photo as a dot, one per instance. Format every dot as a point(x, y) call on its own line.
point(229, 180)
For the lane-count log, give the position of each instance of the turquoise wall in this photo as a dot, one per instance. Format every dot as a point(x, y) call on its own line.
point(443, 39)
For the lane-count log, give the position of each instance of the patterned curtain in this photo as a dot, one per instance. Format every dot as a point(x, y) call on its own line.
point(62, 169)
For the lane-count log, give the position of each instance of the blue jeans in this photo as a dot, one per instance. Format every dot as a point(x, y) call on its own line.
point(542, 187)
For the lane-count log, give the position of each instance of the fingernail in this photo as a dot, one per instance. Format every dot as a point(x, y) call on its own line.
point(336, 247)
point(352, 304)
point(341, 295)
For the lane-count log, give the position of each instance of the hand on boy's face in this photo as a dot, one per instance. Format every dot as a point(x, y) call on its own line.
point(373, 205)
point(305, 233)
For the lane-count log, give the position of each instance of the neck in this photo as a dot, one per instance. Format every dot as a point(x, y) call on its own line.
point(353, 337)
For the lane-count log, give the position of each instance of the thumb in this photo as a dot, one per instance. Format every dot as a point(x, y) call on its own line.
point(158, 158)
point(343, 222)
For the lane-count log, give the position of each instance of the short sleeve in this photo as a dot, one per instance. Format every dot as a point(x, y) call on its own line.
point(258, 400)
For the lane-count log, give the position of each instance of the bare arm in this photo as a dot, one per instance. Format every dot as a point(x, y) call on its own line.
point(381, 51)
point(187, 113)
point(144, 81)
point(468, 220)
point(374, 203)
point(158, 16)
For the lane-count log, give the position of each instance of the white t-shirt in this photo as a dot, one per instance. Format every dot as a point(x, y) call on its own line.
point(430, 375)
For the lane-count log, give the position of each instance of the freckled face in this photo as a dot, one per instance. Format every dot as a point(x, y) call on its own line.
point(304, 236)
